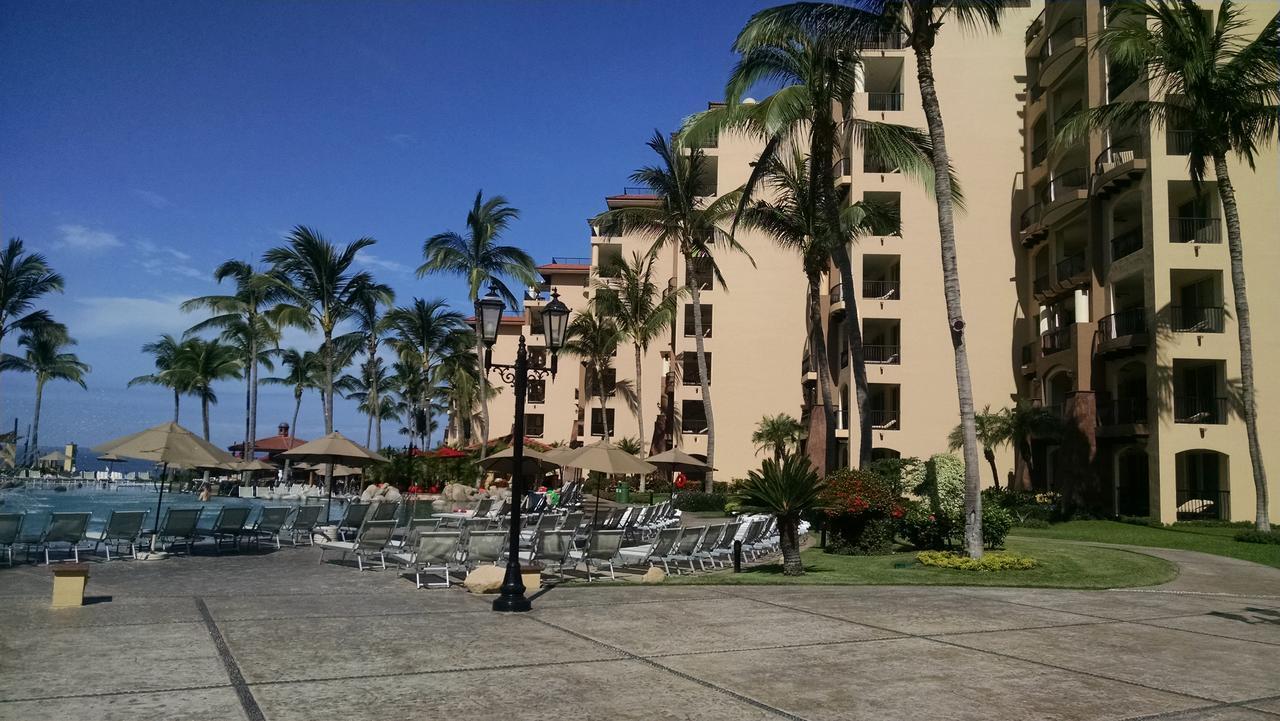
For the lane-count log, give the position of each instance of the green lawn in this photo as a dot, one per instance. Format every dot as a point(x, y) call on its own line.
point(1061, 566)
point(1206, 539)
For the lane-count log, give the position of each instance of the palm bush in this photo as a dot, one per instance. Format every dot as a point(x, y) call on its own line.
point(788, 489)
point(780, 434)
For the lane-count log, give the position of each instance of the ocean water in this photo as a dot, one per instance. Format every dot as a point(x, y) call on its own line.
point(38, 503)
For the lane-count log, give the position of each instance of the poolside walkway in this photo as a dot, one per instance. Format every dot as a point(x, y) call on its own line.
point(278, 636)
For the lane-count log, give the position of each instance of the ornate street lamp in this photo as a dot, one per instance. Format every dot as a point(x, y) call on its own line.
point(555, 321)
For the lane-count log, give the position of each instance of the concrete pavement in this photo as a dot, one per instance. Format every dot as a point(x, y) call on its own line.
point(279, 636)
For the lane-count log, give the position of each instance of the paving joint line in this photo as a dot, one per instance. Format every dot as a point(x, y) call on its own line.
point(677, 673)
point(109, 694)
point(437, 671)
point(250, 705)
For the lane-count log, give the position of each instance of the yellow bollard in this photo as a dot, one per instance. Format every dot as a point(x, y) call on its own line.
point(69, 582)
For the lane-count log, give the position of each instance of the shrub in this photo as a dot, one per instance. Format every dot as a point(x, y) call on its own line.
point(941, 481)
point(1255, 536)
point(863, 510)
point(902, 474)
point(996, 522)
point(925, 530)
point(699, 502)
point(988, 562)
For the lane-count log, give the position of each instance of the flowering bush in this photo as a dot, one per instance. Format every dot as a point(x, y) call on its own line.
point(988, 562)
point(863, 512)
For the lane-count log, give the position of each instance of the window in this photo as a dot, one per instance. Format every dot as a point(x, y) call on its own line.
point(689, 369)
point(533, 424)
point(597, 425)
point(688, 321)
point(693, 417)
point(535, 322)
point(610, 383)
point(537, 390)
point(702, 274)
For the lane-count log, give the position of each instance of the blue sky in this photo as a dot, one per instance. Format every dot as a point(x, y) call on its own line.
point(144, 142)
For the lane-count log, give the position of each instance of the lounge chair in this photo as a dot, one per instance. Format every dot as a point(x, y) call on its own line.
point(304, 524)
point(371, 540)
point(482, 507)
point(710, 539)
point(122, 529)
point(384, 511)
point(553, 549)
point(270, 524)
point(724, 545)
point(650, 553)
point(352, 519)
point(571, 521)
point(484, 547)
point(179, 526)
point(229, 524)
point(685, 548)
point(68, 528)
point(602, 548)
point(10, 529)
point(436, 552)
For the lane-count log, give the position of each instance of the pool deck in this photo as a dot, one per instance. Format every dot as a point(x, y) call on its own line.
point(279, 636)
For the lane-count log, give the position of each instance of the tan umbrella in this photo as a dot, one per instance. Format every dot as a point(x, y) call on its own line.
point(534, 462)
point(340, 470)
point(334, 448)
point(607, 458)
point(256, 464)
point(110, 459)
point(167, 444)
point(677, 460)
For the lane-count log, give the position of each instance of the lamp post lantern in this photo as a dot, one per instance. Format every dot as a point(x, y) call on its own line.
point(555, 321)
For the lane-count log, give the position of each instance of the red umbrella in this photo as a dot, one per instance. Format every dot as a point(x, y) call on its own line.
point(447, 452)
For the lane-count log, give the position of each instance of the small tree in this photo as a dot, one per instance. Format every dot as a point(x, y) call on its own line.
point(787, 489)
point(780, 433)
point(993, 431)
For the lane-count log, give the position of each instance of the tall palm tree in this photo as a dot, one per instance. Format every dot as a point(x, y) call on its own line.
point(693, 225)
point(1208, 76)
point(322, 291)
point(304, 372)
point(425, 330)
point(778, 433)
point(244, 320)
point(480, 258)
point(642, 313)
point(920, 21)
point(371, 390)
point(372, 325)
point(165, 352)
point(458, 375)
point(45, 355)
point(595, 339)
point(24, 279)
point(202, 363)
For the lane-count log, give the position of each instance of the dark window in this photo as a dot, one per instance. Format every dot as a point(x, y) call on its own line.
point(689, 369)
point(597, 427)
point(537, 390)
point(702, 274)
point(693, 417)
point(533, 424)
point(610, 383)
point(688, 321)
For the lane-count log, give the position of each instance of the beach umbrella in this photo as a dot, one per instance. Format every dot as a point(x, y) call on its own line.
point(447, 452)
point(167, 444)
point(604, 457)
point(677, 460)
point(534, 462)
point(255, 464)
point(110, 459)
point(334, 448)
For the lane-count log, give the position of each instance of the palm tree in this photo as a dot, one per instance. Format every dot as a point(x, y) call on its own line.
point(693, 226)
point(1209, 77)
point(479, 258)
point(595, 339)
point(371, 390)
point(165, 350)
point(424, 331)
point(372, 327)
point(45, 356)
point(993, 430)
point(303, 372)
point(632, 300)
point(787, 489)
point(458, 377)
point(778, 433)
point(1025, 422)
point(244, 320)
point(24, 279)
point(200, 363)
point(322, 291)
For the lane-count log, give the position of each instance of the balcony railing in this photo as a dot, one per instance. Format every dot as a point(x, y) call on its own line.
point(1042, 284)
point(1061, 38)
point(1055, 341)
point(880, 289)
point(884, 354)
point(1132, 321)
point(884, 418)
point(1126, 243)
point(1031, 216)
point(846, 166)
point(1119, 78)
point(1199, 410)
point(1203, 504)
point(1070, 266)
point(1178, 142)
point(691, 426)
point(1061, 117)
point(872, 164)
point(1034, 89)
point(1123, 412)
point(1033, 30)
point(1195, 230)
point(1121, 151)
point(1039, 153)
point(837, 293)
point(884, 101)
point(842, 419)
point(1066, 182)
point(1197, 319)
point(884, 41)
point(638, 190)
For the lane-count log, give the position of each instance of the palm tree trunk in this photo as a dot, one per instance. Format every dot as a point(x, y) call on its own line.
point(204, 413)
point(818, 361)
point(177, 400)
point(1244, 326)
point(991, 460)
point(695, 296)
point(640, 413)
point(857, 355)
point(293, 431)
point(252, 441)
point(789, 543)
point(328, 412)
point(604, 408)
point(368, 431)
point(35, 419)
point(951, 289)
point(484, 397)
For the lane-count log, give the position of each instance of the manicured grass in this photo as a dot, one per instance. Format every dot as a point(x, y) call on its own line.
point(1217, 540)
point(1061, 566)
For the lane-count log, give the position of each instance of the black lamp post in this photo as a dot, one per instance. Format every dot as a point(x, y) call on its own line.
point(555, 322)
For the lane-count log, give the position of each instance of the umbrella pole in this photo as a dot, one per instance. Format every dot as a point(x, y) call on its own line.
point(155, 536)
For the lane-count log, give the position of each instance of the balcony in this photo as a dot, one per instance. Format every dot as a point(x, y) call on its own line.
point(1126, 244)
point(1124, 331)
point(1197, 319)
point(1178, 142)
point(842, 423)
point(884, 419)
point(1039, 153)
point(1118, 166)
point(1055, 341)
point(1070, 269)
point(1031, 225)
point(1195, 230)
point(884, 102)
point(884, 41)
point(836, 294)
point(1199, 410)
point(882, 354)
point(1123, 418)
point(1204, 504)
point(1065, 192)
point(1033, 30)
point(1028, 359)
point(1042, 285)
point(1063, 45)
point(880, 289)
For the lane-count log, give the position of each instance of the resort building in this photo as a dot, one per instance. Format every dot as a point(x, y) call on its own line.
point(1128, 331)
point(1095, 282)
